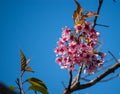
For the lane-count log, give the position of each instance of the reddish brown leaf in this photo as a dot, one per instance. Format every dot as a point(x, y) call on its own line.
point(28, 69)
point(78, 12)
point(78, 17)
point(89, 14)
point(23, 60)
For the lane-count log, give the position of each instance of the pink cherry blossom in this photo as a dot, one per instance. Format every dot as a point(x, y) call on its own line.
point(66, 34)
point(91, 69)
point(78, 28)
point(78, 47)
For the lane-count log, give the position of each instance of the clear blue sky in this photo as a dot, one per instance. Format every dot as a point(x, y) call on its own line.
point(35, 26)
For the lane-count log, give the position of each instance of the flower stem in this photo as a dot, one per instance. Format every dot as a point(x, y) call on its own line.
point(21, 84)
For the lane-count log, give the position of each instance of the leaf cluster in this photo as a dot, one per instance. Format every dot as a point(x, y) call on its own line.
point(36, 84)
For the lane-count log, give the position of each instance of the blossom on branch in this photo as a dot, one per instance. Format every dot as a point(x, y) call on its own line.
point(77, 47)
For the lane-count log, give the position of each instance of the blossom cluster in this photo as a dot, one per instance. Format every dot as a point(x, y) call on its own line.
point(77, 47)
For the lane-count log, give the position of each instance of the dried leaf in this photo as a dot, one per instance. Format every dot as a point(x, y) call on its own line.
point(23, 60)
point(87, 40)
point(78, 12)
point(80, 21)
point(29, 69)
point(83, 17)
point(79, 17)
point(89, 14)
point(97, 52)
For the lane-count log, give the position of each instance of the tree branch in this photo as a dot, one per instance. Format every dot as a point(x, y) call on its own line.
point(115, 0)
point(118, 75)
point(97, 79)
point(105, 80)
point(102, 25)
point(21, 83)
point(70, 81)
point(76, 85)
point(113, 56)
point(77, 78)
point(98, 11)
point(18, 83)
point(79, 73)
point(68, 89)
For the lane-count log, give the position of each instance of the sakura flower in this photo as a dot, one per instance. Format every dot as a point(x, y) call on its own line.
point(60, 42)
point(59, 60)
point(77, 47)
point(91, 69)
point(56, 51)
point(66, 33)
point(78, 28)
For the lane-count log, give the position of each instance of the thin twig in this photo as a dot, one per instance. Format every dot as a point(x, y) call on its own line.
point(102, 25)
point(108, 60)
point(79, 73)
point(63, 84)
point(103, 68)
point(85, 79)
point(21, 83)
point(105, 80)
point(22, 72)
point(85, 76)
point(115, 0)
point(18, 83)
point(77, 77)
point(70, 81)
point(68, 89)
point(113, 56)
point(98, 11)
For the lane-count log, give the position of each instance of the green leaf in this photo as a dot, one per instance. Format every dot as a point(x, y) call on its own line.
point(37, 85)
point(23, 60)
point(12, 87)
point(39, 89)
